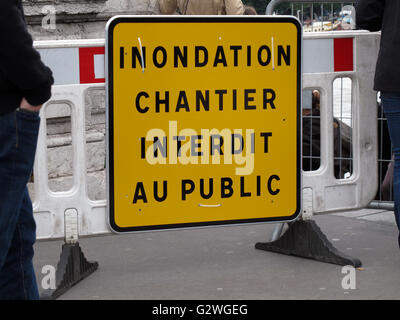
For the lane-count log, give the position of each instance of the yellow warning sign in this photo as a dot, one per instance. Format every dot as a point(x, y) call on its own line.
point(203, 121)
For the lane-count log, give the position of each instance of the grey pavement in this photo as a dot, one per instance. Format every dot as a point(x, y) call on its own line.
point(221, 263)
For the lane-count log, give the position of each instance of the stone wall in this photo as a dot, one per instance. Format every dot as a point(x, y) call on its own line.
point(59, 145)
point(77, 19)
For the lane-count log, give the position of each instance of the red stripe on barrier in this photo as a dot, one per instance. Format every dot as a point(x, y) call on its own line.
point(86, 64)
point(343, 54)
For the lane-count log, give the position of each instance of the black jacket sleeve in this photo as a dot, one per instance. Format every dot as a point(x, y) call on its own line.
point(20, 63)
point(369, 14)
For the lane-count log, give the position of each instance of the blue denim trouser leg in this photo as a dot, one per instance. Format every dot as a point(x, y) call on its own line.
point(18, 139)
point(391, 108)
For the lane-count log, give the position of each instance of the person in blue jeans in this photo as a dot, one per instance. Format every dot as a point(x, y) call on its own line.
point(384, 15)
point(25, 84)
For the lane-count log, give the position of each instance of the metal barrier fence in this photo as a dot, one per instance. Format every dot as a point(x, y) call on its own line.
point(330, 60)
point(325, 22)
point(316, 15)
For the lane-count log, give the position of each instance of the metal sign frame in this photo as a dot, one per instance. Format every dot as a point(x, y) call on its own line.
point(110, 115)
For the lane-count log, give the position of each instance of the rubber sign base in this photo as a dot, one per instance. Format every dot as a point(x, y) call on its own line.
point(305, 239)
point(72, 268)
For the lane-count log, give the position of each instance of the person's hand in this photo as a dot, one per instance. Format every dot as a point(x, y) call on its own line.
point(27, 106)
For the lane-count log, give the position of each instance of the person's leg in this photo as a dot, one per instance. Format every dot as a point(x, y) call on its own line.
point(17, 277)
point(391, 108)
point(18, 138)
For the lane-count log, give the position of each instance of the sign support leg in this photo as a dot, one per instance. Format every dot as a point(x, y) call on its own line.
point(305, 239)
point(73, 266)
point(277, 231)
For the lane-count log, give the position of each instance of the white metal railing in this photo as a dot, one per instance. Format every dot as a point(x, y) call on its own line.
point(322, 192)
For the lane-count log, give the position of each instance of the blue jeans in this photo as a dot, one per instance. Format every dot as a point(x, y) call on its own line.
point(391, 108)
point(18, 139)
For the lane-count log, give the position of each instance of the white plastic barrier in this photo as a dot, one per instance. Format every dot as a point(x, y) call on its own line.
point(49, 207)
point(322, 193)
point(78, 65)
